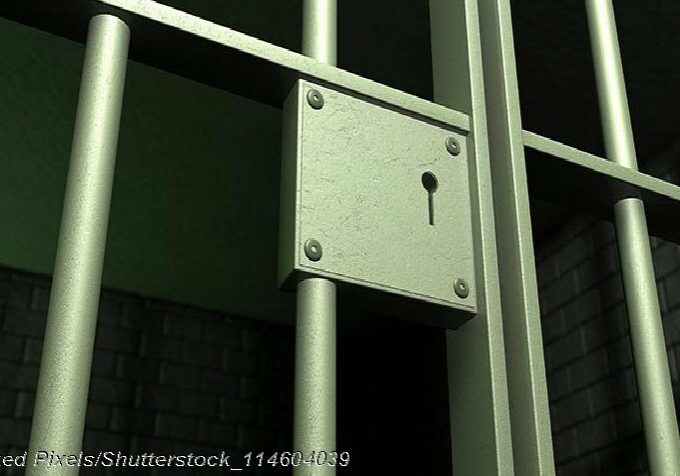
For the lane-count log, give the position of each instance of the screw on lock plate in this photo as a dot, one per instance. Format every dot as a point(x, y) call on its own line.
point(315, 98)
point(452, 146)
point(313, 250)
point(460, 286)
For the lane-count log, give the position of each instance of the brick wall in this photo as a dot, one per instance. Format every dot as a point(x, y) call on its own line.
point(165, 378)
point(591, 381)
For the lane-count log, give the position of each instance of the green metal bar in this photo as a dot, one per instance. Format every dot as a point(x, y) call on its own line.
point(527, 388)
point(61, 400)
point(319, 30)
point(646, 330)
point(315, 327)
point(315, 372)
point(478, 392)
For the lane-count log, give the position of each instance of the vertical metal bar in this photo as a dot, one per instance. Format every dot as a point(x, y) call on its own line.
point(61, 400)
point(315, 329)
point(478, 391)
point(646, 331)
point(527, 388)
point(315, 341)
point(319, 30)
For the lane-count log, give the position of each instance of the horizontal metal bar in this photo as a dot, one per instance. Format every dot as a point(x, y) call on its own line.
point(213, 54)
point(592, 185)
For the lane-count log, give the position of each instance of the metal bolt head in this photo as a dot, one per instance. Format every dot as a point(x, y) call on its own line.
point(460, 286)
point(315, 98)
point(452, 146)
point(313, 249)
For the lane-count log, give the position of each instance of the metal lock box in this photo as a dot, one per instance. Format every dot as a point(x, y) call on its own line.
point(377, 201)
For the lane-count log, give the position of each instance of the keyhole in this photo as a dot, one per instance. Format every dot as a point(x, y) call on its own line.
point(429, 181)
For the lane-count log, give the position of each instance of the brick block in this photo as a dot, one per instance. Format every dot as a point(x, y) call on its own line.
point(607, 262)
point(116, 339)
point(661, 296)
point(575, 251)
point(158, 347)
point(11, 348)
point(240, 362)
point(581, 309)
point(611, 291)
point(176, 427)
point(110, 391)
point(8, 400)
point(252, 340)
point(588, 464)
point(252, 437)
point(4, 288)
point(130, 420)
point(103, 363)
point(620, 354)
point(546, 272)
point(672, 286)
point(24, 322)
point(589, 369)
point(19, 292)
point(181, 376)
point(182, 327)
point(625, 457)
point(603, 234)
point(18, 376)
point(97, 416)
point(138, 369)
point(136, 317)
point(671, 327)
point(250, 388)
point(225, 333)
point(198, 404)
point(565, 446)
point(588, 274)
point(627, 420)
point(552, 326)
point(614, 391)
point(32, 351)
point(572, 410)
point(98, 440)
point(148, 444)
point(218, 433)
point(596, 433)
point(566, 349)
point(14, 432)
point(273, 363)
point(156, 398)
point(225, 385)
point(558, 293)
point(202, 354)
point(238, 411)
point(110, 309)
point(666, 259)
point(24, 405)
point(40, 298)
point(673, 366)
point(559, 384)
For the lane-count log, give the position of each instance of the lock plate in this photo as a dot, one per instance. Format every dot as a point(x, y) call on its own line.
point(382, 194)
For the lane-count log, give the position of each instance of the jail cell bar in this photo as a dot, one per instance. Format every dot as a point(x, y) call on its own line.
point(314, 412)
point(464, 34)
point(644, 318)
point(61, 399)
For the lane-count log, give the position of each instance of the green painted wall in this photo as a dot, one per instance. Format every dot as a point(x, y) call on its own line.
point(194, 215)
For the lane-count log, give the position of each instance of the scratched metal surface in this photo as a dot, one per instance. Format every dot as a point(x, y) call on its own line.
point(359, 192)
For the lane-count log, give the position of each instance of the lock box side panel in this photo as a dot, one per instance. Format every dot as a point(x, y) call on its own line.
point(288, 223)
